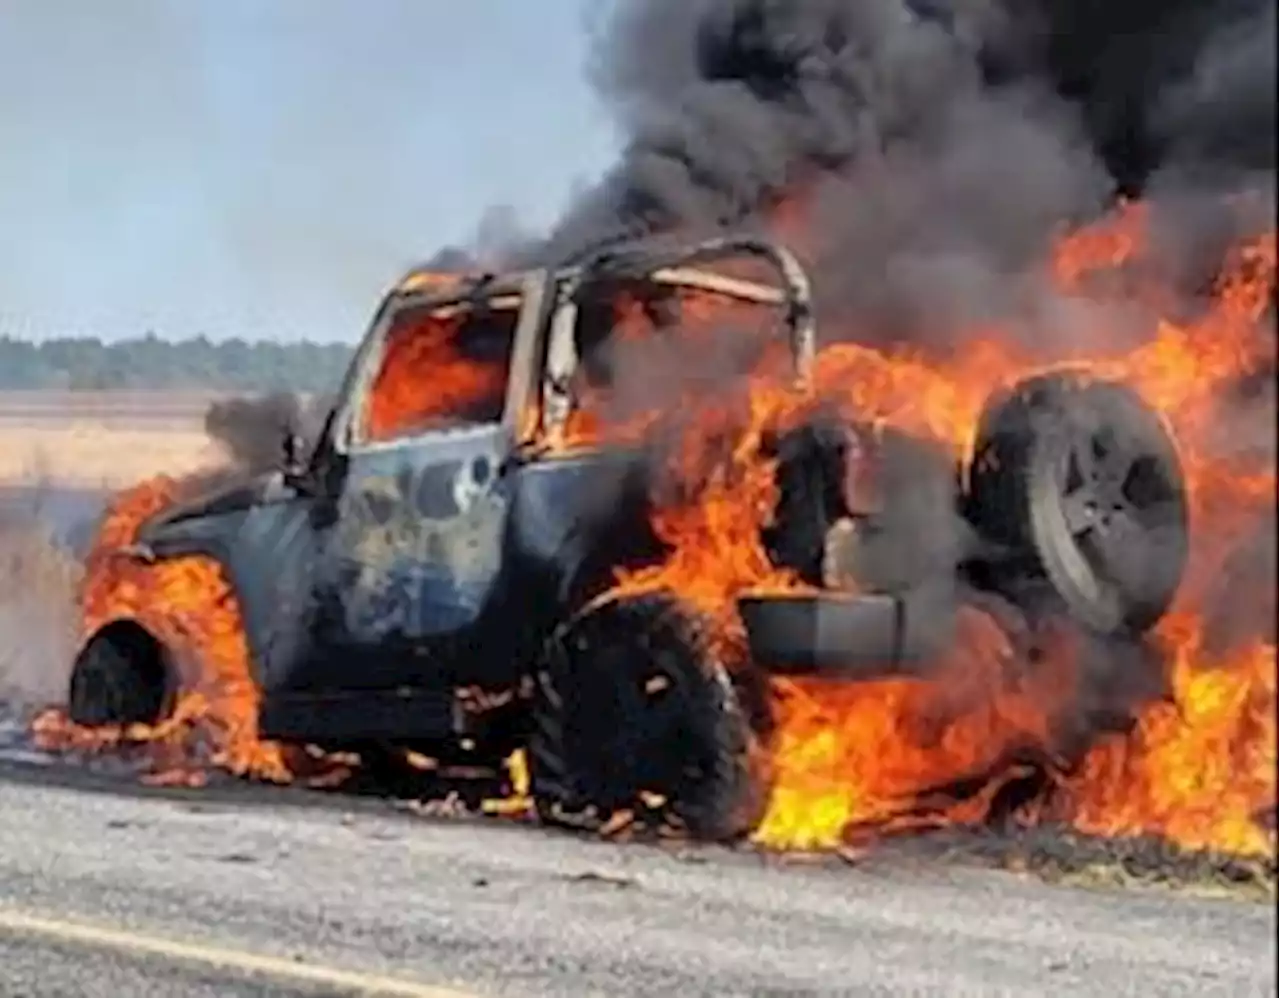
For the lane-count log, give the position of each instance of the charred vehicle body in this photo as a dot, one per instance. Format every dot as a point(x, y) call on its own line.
point(438, 571)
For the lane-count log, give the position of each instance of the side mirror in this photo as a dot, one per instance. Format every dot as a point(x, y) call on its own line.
point(292, 465)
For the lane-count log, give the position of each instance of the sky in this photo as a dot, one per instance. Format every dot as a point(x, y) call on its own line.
point(265, 168)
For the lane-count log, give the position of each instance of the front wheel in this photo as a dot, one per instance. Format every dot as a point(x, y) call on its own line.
point(629, 704)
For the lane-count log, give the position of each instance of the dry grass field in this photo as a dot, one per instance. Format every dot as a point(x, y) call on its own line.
point(65, 440)
point(100, 439)
point(38, 618)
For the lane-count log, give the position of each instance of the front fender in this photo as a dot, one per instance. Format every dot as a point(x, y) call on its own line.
point(177, 580)
point(212, 537)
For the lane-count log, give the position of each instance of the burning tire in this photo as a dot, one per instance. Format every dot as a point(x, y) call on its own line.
point(1079, 482)
point(629, 705)
point(121, 677)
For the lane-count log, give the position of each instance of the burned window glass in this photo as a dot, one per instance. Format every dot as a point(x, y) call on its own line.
point(441, 368)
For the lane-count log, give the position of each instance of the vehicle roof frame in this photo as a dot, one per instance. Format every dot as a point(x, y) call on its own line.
point(548, 302)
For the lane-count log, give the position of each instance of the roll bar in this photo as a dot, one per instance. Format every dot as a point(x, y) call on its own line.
point(677, 265)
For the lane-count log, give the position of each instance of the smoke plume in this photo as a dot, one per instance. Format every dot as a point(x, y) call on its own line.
point(934, 147)
point(1042, 110)
point(252, 430)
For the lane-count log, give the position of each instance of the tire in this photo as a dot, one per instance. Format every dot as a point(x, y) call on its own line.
point(120, 677)
point(913, 538)
point(628, 700)
point(1079, 483)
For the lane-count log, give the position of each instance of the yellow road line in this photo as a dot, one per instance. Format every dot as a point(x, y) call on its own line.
point(21, 923)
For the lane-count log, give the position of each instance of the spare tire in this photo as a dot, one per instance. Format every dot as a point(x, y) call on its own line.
point(1078, 481)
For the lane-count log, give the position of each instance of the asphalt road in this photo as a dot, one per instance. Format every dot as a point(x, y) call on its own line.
point(263, 892)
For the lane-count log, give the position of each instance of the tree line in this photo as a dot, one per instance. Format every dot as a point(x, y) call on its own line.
point(148, 362)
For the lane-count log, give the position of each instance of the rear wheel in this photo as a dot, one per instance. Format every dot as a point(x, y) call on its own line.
point(630, 704)
point(120, 677)
point(1079, 482)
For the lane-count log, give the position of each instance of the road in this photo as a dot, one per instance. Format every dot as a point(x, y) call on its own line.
point(260, 892)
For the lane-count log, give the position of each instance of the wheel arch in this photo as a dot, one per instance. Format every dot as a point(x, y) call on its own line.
point(199, 539)
point(140, 645)
point(125, 641)
point(153, 554)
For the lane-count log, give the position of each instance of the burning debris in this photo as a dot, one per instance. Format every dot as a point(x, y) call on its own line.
point(950, 177)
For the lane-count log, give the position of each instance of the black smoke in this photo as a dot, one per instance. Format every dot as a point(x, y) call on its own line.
point(253, 429)
point(727, 103)
point(939, 146)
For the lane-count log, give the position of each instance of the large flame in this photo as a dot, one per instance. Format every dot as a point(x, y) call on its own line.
point(1197, 767)
point(426, 349)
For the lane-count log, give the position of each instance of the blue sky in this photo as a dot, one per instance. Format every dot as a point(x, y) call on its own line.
point(265, 167)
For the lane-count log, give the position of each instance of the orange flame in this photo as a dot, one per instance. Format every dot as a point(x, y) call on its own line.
point(424, 349)
point(191, 608)
point(1197, 769)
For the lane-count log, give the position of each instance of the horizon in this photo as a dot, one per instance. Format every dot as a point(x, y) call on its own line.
point(130, 339)
point(266, 173)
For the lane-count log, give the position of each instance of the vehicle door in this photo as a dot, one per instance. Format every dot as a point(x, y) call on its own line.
point(412, 560)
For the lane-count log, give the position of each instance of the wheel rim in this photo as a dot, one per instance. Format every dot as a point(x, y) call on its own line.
point(1121, 503)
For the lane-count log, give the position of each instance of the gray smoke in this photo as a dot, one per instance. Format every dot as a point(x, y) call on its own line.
point(1221, 114)
point(253, 429)
point(729, 101)
point(38, 577)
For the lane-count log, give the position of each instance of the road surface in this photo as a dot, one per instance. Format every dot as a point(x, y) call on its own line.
point(251, 893)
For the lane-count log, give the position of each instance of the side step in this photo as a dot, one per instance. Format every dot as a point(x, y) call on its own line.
point(359, 715)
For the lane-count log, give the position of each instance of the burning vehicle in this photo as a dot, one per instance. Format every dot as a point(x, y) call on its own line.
point(841, 568)
point(476, 556)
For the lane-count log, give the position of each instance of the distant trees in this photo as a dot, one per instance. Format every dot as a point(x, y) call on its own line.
point(150, 362)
